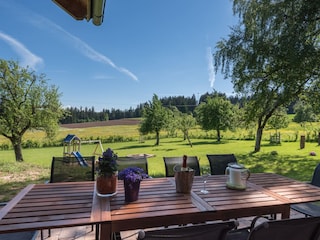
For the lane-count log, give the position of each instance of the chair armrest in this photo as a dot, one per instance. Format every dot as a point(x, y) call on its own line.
point(243, 233)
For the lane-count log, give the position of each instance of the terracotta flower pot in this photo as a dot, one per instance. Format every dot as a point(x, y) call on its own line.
point(107, 184)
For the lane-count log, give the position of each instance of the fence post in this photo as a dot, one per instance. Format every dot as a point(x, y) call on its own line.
point(302, 141)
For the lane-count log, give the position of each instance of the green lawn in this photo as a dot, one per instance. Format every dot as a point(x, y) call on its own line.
point(285, 159)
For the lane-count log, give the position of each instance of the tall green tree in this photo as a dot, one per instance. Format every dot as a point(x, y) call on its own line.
point(272, 55)
point(154, 118)
point(217, 114)
point(26, 102)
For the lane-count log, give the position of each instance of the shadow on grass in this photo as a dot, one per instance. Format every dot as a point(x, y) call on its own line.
point(208, 142)
point(12, 188)
point(136, 146)
point(296, 167)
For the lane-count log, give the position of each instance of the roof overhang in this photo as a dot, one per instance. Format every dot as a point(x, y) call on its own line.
point(84, 9)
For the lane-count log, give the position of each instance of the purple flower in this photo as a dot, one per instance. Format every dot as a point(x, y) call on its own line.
point(108, 153)
point(132, 174)
point(107, 164)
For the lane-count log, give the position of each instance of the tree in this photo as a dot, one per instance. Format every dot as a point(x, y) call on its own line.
point(185, 123)
point(272, 55)
point(26, 102)
point(172, 120)
point(154, 118)
point(304, 113)
point(279, 119)
point(215, 114)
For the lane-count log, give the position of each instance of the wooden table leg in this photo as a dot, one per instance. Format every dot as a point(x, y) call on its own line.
point(285, 214)
point(105, 231)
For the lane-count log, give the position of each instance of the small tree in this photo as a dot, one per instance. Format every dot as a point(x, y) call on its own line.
point(185, 123)
point(26, 102)
point(278, 120)
point(215, 114)
point(154, 118)
point(172, 121)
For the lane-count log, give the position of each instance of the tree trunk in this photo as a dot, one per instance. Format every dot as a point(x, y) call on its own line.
point(187, 136)
point(157, 138)
point(17, 149)
point(258, 139)
point(218, 135)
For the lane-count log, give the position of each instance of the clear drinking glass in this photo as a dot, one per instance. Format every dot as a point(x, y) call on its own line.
point(206, 172)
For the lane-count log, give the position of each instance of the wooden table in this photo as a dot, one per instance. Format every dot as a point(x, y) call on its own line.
point(71, 204)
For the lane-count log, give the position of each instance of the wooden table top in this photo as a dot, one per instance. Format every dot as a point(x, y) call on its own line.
point(160, 205)
point(55, 205)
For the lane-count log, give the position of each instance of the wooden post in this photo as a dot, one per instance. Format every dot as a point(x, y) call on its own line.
point(302, 141)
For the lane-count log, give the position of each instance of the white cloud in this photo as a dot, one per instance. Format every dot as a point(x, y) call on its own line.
point(27, 57)
point(83, 47)
point(211, 72)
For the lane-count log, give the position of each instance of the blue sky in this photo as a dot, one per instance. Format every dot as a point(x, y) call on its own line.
point(143, 47)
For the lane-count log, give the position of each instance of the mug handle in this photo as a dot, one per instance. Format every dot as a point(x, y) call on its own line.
point(248, 174)
point(227, 171)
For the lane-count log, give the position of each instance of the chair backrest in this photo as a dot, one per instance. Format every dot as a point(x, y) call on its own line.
point(219, 162)
point(293, 229)
point(140, 162)
point(69, 169)
point(170, 162)
point(316, 176)
point(209, 231)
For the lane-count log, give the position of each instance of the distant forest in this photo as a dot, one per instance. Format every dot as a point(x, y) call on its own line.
point(182, 103)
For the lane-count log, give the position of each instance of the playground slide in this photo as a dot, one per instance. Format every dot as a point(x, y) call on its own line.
point(80, 159)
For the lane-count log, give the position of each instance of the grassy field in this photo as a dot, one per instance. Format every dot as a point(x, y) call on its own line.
point(285, 159)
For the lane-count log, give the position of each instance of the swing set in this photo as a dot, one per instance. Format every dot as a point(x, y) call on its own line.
point(72, 145)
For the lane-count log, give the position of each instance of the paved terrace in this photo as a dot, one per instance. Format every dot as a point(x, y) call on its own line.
point(85, 233)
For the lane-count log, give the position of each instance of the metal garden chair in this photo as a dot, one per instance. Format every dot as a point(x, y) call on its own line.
point(170, 162)
point(312, 208)
point(140, 162)
point(293, 229)
point(219, 162)
point(212, 231)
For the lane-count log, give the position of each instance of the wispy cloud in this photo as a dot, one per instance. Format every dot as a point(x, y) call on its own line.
point(211, 72)
point(83, 47)
point(27, 57)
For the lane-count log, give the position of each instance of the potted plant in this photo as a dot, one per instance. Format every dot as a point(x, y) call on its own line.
point(107, 173)
point(132, 176)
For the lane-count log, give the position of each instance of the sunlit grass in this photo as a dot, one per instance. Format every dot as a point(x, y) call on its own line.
point(285, 159)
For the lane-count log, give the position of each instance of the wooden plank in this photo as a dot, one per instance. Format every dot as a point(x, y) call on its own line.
point(15, 200)
point(45, 218)
point(269, 192)
point(100, 211)
point(200, 203)
point(49, 212)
